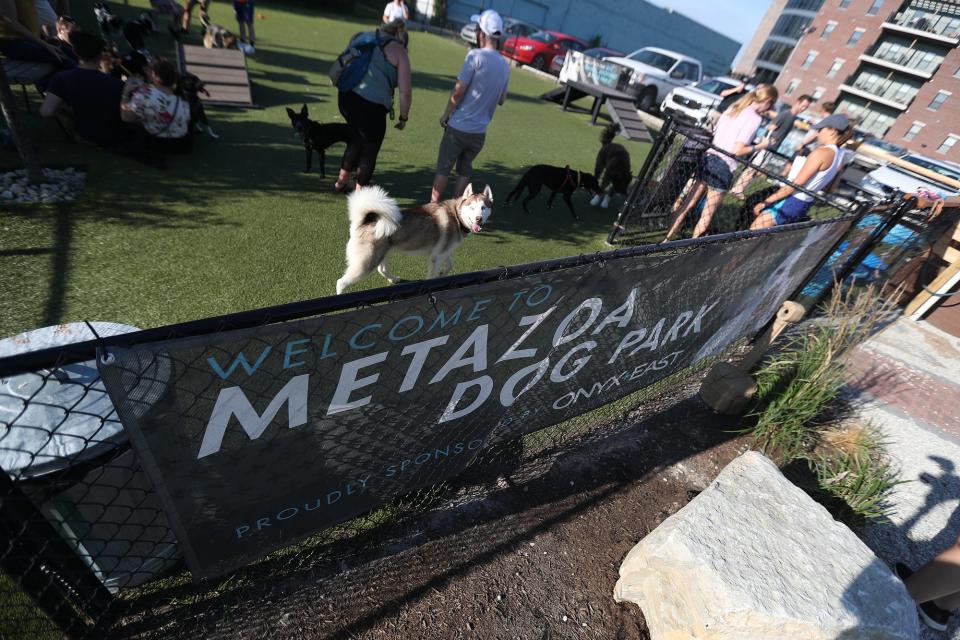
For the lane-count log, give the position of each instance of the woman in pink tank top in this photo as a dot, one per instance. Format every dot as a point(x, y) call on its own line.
point(734, 134)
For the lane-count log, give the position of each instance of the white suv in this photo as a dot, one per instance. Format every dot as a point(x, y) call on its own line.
point(695, 103)
point(656, 72)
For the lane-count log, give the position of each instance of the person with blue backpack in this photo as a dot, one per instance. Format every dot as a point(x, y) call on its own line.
point(366, 75)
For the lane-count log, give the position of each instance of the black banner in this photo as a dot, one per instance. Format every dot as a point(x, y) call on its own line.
point(258, 437)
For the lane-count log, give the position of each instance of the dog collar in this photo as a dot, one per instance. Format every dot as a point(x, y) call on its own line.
point(567, 177)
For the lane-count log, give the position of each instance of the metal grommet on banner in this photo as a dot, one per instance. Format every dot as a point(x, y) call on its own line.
point(107, 358)
point(433, 300)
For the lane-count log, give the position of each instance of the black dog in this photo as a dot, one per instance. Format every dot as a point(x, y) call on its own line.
point(317, 136)
point(190, 87)
point(613, 167)
point(563, 180)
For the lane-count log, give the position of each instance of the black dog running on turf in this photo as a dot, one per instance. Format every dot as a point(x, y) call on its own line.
point(317, 136)
point(563, 180)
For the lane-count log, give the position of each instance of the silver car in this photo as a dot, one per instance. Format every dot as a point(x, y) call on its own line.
point(511, 27)
point(890, 178)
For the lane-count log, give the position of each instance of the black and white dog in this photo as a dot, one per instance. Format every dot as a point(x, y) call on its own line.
point(134, 31)
point(562, 180)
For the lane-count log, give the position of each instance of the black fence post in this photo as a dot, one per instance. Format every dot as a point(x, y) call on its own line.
point(44, 566)
point(642, 179)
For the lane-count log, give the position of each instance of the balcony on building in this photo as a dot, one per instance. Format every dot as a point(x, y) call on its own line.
point(916, 62)
point(934, 21)
point(888, 92)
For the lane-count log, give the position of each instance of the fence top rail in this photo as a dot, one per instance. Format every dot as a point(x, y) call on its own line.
point(87, 350)
point(817, 197)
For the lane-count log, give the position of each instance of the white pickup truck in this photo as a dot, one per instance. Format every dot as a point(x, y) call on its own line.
point(656, 72)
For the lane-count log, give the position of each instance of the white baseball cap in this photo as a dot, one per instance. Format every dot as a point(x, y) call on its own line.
point(490, 22)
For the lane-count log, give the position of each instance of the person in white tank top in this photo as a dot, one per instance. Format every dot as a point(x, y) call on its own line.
point(821, 169)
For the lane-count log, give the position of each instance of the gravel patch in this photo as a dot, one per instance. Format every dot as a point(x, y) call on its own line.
point(60, 185)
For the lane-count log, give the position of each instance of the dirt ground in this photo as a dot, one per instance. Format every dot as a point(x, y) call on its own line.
point(535, 560)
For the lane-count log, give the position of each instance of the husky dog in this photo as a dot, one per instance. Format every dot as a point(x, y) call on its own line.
point(613, 167)
point(377, 225)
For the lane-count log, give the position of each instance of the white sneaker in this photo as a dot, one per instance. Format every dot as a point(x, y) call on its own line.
point(595, 200)
point(250, 50)
point(606, 202)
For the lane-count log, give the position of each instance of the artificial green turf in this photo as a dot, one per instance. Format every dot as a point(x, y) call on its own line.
point(238, 225)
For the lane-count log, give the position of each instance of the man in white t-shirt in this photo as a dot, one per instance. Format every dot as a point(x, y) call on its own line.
point(481, 87)
point(396, 10)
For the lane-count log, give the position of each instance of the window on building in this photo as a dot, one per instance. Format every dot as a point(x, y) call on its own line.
point(827, 30)
point(938, 100)
point(844, 4)
point(817, 93)
point(775, 52)
point(791, 26)
point(875, 7)
point(809, 60)
point(913, 131)
point(834, 68)
point(855, 37)
point(766, 76)
point(876, 120)
point(948, 143)
point(792, 87)
point(806, 5)
point(956, 74)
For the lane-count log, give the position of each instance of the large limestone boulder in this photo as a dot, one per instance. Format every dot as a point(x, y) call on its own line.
point(755, 558)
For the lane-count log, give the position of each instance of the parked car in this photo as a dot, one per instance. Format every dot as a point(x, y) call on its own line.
point(656, 72)
point(870, 162)
point(891, 177)
point(695, 103)
point(538, 49)
point(597, 52)
point(511, 27)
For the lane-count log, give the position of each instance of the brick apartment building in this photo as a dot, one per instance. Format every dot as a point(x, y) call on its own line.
point(892, 64)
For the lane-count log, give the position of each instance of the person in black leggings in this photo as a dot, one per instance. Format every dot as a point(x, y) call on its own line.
point(365, 107)
point(368, 124)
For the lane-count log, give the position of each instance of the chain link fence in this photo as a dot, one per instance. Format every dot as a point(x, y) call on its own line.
point(115, 498)
point(671, 170)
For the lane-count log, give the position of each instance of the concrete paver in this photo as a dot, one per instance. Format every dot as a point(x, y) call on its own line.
point(908, 377)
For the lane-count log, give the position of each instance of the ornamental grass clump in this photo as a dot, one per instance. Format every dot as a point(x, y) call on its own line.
point(850, 465)
point(799, 411)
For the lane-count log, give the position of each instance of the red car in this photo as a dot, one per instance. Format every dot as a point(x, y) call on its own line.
point(538, 49)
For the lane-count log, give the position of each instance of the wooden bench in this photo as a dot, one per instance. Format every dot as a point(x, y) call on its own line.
point(223, 71)
point(26, 74)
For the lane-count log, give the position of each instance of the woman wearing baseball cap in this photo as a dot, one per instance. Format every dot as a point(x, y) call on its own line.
point(822, 168)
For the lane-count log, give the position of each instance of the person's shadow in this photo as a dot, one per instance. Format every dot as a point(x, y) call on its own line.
point(914, 541)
